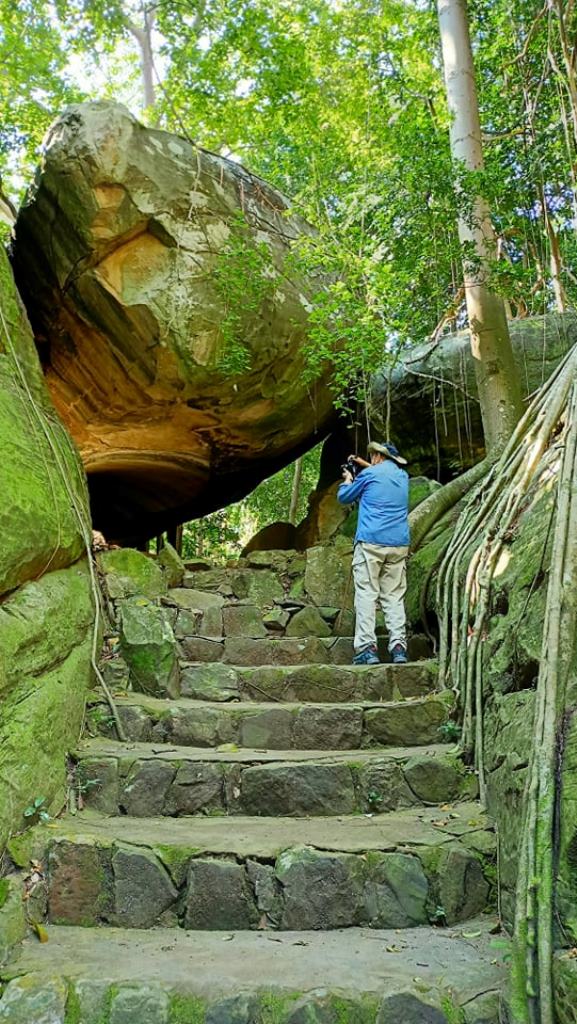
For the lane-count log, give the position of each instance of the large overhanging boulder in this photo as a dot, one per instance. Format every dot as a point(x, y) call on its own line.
point(434, 410)
point(169, 320)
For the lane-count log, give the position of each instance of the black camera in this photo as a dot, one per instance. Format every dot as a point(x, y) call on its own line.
point(350, 466)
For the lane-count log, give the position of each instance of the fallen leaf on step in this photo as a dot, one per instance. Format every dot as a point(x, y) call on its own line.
point(40, 931)
point(227, 748)
point(471, 935)
point(227, 938)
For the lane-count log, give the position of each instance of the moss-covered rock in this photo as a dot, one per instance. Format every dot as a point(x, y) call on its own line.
point(41, 480)
point(149, 647)
point(40, 721)
point(128, 572)
point(12, 918)
point(47, 610)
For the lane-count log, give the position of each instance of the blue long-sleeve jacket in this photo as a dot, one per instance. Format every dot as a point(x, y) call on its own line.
point(383, 495)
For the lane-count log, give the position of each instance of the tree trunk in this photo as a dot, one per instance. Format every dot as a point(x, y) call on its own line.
point(295, 493)
point(143, 37)
point(497, 380)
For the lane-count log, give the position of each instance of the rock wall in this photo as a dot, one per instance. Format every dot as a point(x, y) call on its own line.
point(511, 656)
point(46, 608)
point(170, 319)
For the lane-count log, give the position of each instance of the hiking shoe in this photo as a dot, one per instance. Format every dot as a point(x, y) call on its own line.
point(367, 657)
point(399, 654)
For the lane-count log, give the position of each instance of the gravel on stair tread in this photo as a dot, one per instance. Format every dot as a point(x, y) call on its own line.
point(94, 748)
point(257, 837)
point(215, 964)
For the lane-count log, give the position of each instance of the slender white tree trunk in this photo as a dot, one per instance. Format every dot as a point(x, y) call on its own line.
point(296, 490)
point(143, 37)
point(497, 379)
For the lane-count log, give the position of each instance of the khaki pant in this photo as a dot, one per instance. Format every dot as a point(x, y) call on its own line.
point(380, 577)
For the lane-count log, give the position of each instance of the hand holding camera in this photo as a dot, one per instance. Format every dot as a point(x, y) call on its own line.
point(351, 467)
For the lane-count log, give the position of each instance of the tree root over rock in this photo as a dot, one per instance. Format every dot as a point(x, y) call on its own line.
point(463, 601)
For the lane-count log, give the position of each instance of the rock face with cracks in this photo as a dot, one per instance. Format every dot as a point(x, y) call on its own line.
point(169, 317)
point(46, 602)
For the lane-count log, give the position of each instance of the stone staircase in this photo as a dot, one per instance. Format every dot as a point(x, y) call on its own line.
point(283, 837)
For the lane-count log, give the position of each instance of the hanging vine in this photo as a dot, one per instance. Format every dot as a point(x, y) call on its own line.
point(80, 510)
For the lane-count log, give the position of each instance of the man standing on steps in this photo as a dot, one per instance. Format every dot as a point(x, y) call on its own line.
point(381, 547)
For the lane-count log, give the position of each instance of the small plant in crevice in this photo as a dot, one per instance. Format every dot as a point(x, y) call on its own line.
point(374, 800)
point(79, 784)
point(450, 732)
point(439, 916)
point(37, 810)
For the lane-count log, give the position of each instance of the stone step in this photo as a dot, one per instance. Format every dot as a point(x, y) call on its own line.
point(393, 870)
point(278, 726)
point(318, 683)
point(115, 976)
point(142, 780)
point(240, 650)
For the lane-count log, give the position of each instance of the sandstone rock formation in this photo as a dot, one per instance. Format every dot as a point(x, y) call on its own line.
point(168, 317)
point(46, 606)
point(435, 414)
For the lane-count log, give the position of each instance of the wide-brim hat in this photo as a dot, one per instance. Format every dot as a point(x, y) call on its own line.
point(388, 450)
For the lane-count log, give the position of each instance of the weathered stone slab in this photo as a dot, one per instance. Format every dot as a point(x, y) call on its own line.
point(308, 622)
point(243, 620)
point(145, 790)
point(410, 1009)
point(194, 600)
point(241, 651)
point(320, 890)
point(408, 723)
point(200, 726)
point(436, 781)
point(219, 895)
point(147, 1004)
point(78, 884)
point(297, 789)
point(463, 888)
point(198, 648)
point(136, 723)
point(196, 787)
point(382, 787)
point(96, 784)
point(173, 568)
point(328, 728)
point(277, 619)
point(328, 578)
point(268, 728)
point(142, 888)
point(128, 573)
point(396, 891)
point(149, 647)
point(209, 682)
point(38, 1000)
